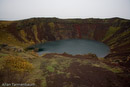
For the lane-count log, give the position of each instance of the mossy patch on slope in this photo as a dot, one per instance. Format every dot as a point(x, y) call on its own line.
point(110, 32)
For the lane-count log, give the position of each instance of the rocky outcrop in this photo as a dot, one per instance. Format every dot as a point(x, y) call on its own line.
point(12, 48)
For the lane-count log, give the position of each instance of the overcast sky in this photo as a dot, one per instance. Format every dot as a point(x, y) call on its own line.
point(22, 9)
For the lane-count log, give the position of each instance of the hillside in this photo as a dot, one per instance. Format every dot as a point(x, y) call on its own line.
point(18, 65)
point(114, 32)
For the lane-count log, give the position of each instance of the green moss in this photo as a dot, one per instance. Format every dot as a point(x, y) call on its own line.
point(3, 54)
point(44, 84)
point(52, 25)
point(43, 40)
point(68, 75)
point(57, 64)
point(50, 68)
point(35, 32)
point(115, 40)
point(23, 35)
point(125, 33)
point(113, 69)
point(124, 21)
point(96, 65)
point(8, 38)
point(110, 32)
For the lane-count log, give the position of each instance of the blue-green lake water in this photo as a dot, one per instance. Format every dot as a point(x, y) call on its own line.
point(74, 47)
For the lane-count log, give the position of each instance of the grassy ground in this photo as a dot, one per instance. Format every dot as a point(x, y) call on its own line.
point(64, 70)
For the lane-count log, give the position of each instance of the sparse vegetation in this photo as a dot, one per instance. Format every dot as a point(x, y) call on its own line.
point(111, 32)
point(34, 28)
point(14, 69)
point(64, 70)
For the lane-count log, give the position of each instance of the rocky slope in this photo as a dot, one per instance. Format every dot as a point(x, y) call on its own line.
point(115, 32)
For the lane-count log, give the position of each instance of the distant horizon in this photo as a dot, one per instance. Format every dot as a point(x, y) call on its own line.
point(62, 18)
